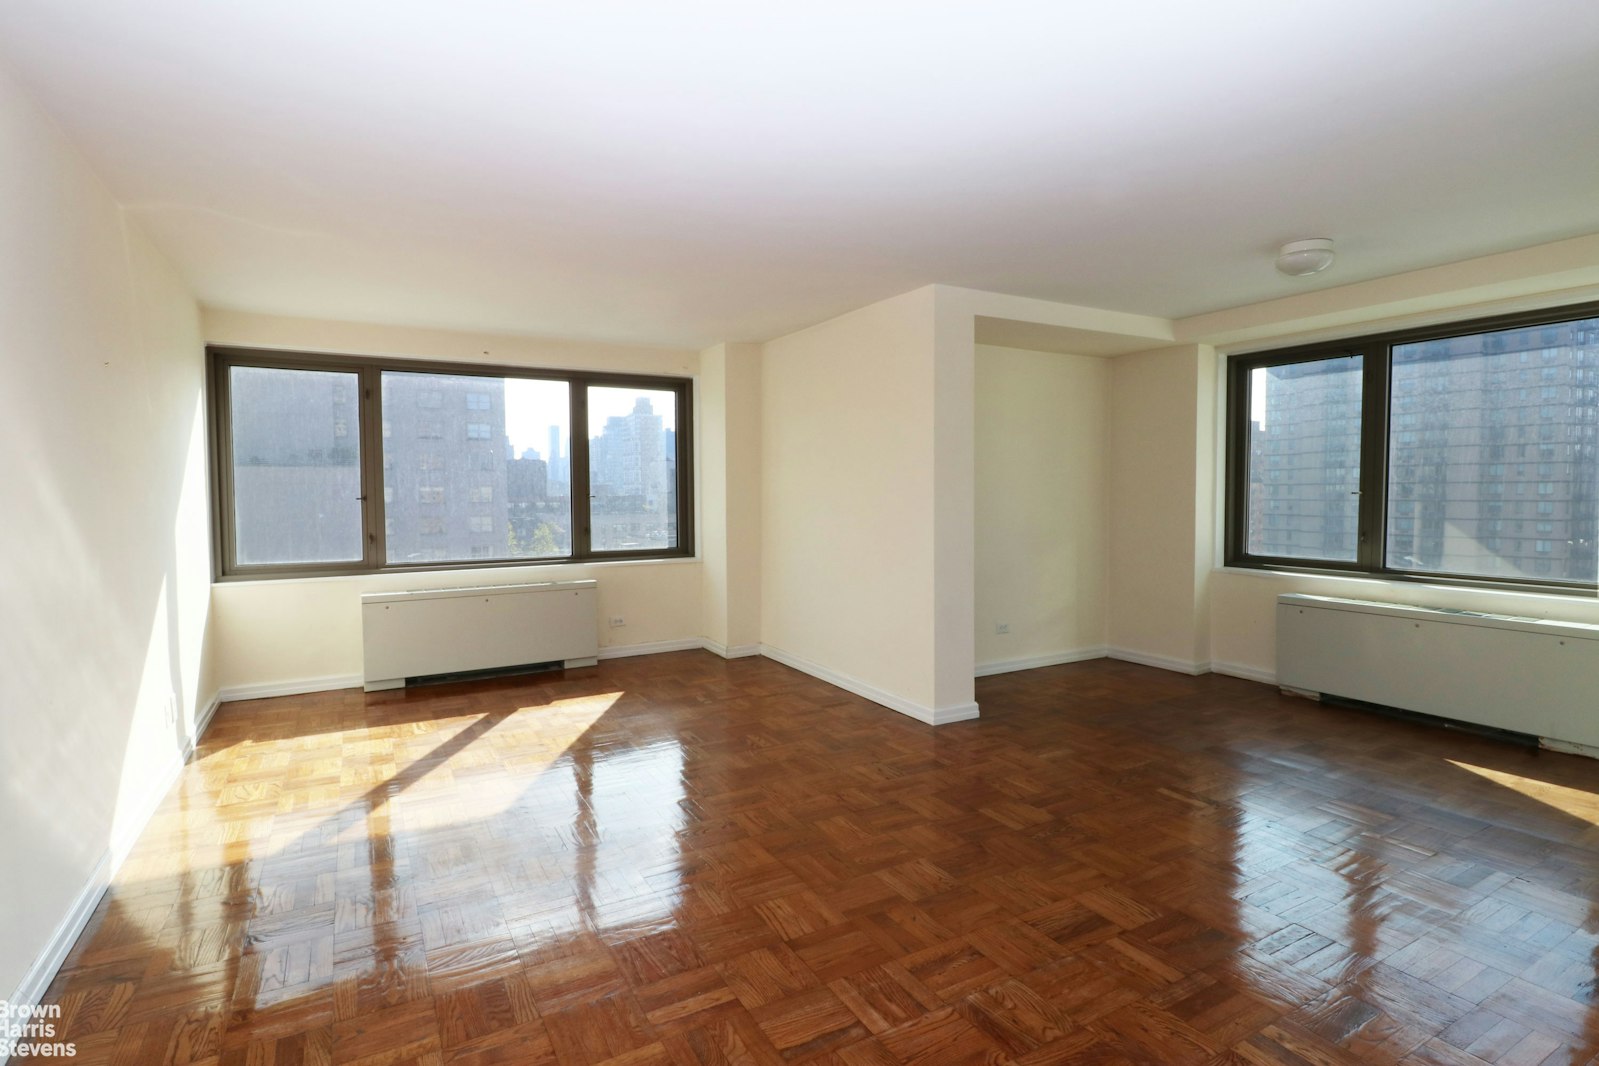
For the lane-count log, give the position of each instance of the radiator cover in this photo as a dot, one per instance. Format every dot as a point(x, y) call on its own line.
point(447, 631)
point(1529, 675)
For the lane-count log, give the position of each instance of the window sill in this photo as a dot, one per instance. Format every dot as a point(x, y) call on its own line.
point(464, 575)
point(1549, 597)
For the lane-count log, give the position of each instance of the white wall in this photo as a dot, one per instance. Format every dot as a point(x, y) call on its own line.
point(1161, 506)
point(262, 627)
point(847, 499)
point(954, 461)
point(1041, 504)
point(103, 665)
point(729, 420)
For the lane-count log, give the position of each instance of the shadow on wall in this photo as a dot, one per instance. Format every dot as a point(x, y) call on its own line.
point(105, 654)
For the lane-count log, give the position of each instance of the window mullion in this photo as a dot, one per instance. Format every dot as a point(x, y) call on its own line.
point(222, 438)
point(1237, 475)
point(684, 460)
point(1372, 552)
point(578, 450)
point(372, 510)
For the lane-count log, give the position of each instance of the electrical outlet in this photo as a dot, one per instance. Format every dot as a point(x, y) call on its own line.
point(1002, 627)
point(617, 621)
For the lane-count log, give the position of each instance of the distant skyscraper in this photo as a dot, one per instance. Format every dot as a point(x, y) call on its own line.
point(633, 481)
point(559, 467)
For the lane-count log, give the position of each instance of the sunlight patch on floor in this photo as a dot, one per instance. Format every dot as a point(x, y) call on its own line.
point(1579, 803)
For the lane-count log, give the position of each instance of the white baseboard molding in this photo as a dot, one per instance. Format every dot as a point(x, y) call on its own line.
point(960, 712)
point(202, 722)
point(1569, 747)
point(1248, 673)
point(922, 713)
point(1034, 662)
point(268, 689)
point(38, 977)
point(1163, 662)
point(36, 981)
point(654, 647)
point(733, 651)
point(144, 808)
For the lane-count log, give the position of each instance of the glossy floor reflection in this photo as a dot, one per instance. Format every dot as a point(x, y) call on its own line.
point(679, 860)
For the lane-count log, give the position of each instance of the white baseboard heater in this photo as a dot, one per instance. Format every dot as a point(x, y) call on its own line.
point(452, 631)
point(1526, 675)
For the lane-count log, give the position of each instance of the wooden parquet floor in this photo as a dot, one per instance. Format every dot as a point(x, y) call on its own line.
point(680, 861)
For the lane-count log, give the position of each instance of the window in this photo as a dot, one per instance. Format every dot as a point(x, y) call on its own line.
point(424, 463)
point(297, 482)
point(1319, 460)
point(1390, 448)
point(632, 468)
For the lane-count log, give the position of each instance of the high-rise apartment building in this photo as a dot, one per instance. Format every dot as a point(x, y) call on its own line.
point(444, 467)
point(1492, 456)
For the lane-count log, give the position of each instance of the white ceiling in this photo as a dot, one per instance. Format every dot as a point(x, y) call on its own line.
point(697, 171)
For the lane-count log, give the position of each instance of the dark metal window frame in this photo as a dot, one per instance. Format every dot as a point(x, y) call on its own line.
point(369, 420)
point(1377, 365)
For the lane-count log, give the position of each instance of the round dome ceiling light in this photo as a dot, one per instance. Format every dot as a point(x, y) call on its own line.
point(1310, 256)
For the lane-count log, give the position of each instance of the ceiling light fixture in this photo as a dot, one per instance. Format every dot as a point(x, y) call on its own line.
point(1309, 256)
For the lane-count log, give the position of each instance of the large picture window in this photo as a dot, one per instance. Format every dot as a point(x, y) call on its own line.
point(330, 465)
point(1467, 453)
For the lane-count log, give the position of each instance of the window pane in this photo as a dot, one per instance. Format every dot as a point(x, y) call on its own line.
point(1304, 459)
point(296, 466)
point(475, 468)
point(632, 468)
point(1492, 444)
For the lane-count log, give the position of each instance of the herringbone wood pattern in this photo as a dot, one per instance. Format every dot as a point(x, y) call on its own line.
point(681, 861)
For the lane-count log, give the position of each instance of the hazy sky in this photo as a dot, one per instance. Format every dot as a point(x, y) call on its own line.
point(532, 407)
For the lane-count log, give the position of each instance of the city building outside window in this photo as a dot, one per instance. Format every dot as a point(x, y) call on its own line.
point(440, 465)
point(1383, 454)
